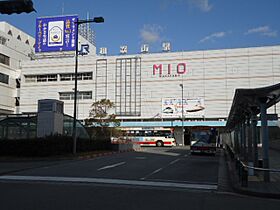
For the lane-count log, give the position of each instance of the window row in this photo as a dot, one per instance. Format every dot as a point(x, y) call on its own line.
point(80, 76)
point(4, 59)
point(4, 78)
point(54, 77)
point(81, 95)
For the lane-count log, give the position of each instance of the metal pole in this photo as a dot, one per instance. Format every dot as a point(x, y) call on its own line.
point(265, 143)
point(75, 95)
point(183, 135)
point(254, 138)
point(74, 133)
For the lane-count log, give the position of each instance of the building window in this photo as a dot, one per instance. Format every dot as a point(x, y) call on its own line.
point(82, 95)
point(87, 76)
point(47, 78)
point(30, 78)
point(3, 40)
point(18, 37)
point(4, 59)
point(65, 77)
point(27, 42)
point(41, 78)
point(80, 76)
point(4, 78)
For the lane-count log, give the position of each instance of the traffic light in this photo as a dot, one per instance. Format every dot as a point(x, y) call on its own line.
point(16, 6)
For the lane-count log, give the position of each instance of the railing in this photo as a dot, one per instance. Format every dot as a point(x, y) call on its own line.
point(242, 168)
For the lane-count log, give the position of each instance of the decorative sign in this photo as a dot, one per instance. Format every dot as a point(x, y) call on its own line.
point(123, 49)
point(166, 46)
point(103, 51)
point(144, 48)
point(169, 70)
point(56, 34)
point(172, 107)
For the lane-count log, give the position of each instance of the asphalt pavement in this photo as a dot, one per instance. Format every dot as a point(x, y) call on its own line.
point(157, 178)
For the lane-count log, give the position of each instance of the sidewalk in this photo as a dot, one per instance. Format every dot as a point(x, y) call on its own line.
point(256, 185)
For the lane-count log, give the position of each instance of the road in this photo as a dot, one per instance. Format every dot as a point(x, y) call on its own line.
point(157, 178)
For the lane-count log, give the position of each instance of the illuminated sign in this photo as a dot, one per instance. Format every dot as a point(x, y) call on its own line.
point(56, 34)
point(169, 70)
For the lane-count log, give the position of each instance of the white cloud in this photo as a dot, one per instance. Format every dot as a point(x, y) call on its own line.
point(262, 30)
point(213, 36)
point(202, 5)
point(151, 33)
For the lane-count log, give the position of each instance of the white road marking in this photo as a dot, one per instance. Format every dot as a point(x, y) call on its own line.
point(154, 172)
point(111, 166)
point(174, 161)
point(108, 181)
point(140, 158)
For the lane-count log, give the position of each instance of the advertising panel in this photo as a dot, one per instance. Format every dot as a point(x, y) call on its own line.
point(192, 108)
point(56, 33)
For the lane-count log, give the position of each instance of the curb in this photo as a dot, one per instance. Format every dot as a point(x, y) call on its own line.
point(246, 191)
point(60, 158)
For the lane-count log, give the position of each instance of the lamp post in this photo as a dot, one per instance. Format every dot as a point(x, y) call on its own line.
point(183, 135)
point(74, 133)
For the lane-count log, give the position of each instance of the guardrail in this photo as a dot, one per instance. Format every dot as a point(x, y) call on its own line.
point(242, 168)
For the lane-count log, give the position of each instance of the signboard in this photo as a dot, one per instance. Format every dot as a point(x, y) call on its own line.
point(192, 108)
point(56, 34)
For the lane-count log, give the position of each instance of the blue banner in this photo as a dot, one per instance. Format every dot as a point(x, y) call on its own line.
point(56, 34)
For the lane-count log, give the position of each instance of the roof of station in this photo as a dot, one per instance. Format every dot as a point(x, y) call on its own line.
point(247, 102)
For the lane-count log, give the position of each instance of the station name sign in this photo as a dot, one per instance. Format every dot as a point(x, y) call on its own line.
point(170, 70)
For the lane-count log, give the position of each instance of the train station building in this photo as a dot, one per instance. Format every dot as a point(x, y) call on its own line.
point(148, 89)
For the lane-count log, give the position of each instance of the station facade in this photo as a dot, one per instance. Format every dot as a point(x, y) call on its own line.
point(149, 87)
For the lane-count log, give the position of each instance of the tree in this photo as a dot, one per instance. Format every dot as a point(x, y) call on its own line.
point(99, 114)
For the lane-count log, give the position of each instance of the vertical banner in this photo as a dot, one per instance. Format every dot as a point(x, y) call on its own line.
point(54, 34)
point(172, 107)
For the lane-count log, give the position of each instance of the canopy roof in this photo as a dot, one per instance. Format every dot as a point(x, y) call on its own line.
point(247, 102)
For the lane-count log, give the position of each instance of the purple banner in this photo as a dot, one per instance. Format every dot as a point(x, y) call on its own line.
point(56, 34)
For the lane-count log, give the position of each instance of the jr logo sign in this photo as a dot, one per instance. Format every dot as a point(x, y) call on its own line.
point(169, 70)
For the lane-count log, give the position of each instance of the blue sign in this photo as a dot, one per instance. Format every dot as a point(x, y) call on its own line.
point(56, 34)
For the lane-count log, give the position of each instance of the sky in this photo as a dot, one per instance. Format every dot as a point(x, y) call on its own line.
point(187, 24)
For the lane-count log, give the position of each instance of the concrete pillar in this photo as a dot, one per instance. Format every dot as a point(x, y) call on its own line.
point(265, 139)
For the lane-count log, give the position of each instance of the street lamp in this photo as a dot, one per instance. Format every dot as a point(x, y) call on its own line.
point(79, 22)
point(183, 136)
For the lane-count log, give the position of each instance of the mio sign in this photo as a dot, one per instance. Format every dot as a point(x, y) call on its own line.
point(169, 70)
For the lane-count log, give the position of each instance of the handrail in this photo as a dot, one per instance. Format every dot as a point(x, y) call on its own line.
point(255, 168)
point(260, 169)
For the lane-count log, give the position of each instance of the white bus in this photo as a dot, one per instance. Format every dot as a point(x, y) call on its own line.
point(151, 137)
